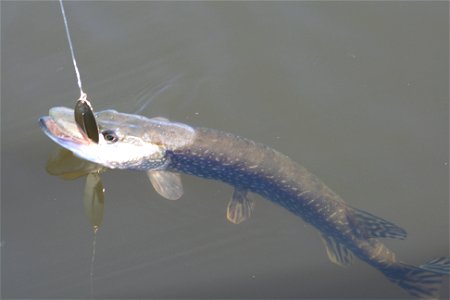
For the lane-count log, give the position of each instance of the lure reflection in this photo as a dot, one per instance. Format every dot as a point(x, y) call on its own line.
point(64, 164)
point(163, 149)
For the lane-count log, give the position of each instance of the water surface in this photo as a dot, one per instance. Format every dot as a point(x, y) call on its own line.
point(356, 92)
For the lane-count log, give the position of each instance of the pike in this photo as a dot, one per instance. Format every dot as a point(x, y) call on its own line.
point(164, 149)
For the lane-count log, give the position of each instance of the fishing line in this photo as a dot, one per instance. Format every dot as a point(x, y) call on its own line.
point(72, 52)
point(84, 113)
point(94, 244)
point(154, 92)
point(83, 99)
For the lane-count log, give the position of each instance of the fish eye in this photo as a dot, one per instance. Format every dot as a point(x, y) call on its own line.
point(110, 136)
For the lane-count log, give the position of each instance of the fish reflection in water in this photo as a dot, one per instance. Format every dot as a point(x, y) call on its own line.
point(163, 149)
point(64, 164)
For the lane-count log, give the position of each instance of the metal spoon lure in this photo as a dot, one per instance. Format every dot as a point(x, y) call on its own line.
point(85, 119)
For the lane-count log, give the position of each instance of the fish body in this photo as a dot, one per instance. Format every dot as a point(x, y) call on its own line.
point(162, 148)
point(346, 231)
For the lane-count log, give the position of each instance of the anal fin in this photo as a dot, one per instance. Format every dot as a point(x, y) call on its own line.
point(337, 253)
point(366, 225)
point(240, 207)
point(167, 184)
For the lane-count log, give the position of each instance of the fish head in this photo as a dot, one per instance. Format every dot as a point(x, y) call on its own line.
point(122, 141)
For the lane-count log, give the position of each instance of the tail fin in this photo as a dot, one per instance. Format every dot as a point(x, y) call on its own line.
point(438, 265)
point(416, 281)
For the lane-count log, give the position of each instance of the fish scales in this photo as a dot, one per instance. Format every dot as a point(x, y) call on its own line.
point(243, 163)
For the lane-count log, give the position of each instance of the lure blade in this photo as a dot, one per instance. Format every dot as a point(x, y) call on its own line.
point(85, 119)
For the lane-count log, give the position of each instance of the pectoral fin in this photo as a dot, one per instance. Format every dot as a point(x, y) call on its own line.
point(94, 200)
point(337, 253)
point(167, 184)
point(240, 207)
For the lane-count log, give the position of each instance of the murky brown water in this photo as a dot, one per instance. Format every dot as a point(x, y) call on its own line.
point(356, 92)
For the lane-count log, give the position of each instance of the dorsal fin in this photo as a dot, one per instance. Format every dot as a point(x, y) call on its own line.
point(337, 253)
point(160, 118)
point(366, 225)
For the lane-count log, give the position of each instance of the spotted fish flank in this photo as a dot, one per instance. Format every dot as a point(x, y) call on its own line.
point(161, 148)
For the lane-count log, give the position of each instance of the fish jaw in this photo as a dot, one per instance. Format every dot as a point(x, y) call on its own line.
point(71, 140)
point(128, 152)
point(60, 126)
point(58, 135)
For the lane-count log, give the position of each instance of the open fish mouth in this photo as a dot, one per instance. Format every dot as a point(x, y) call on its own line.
point(60, 126)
